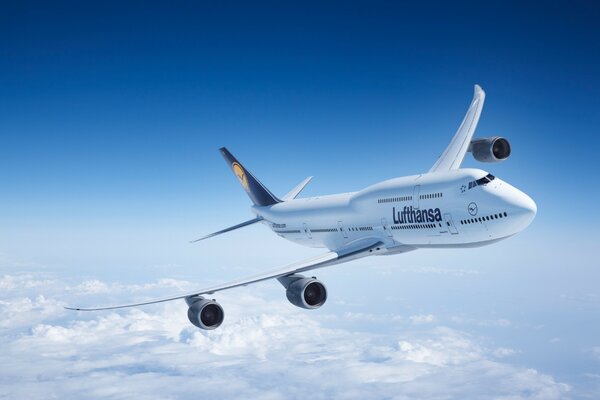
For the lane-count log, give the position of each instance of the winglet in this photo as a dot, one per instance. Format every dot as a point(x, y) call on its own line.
point(454, 154)
point(258, 193)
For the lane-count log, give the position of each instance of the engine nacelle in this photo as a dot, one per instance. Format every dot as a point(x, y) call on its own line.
point(490, 149)
point(304, 292)
point(204, 313)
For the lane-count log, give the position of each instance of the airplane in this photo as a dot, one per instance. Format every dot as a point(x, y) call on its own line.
point(446, 207)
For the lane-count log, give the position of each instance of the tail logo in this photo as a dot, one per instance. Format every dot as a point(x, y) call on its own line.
point(241, 175)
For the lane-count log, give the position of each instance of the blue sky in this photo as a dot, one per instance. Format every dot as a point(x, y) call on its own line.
point(110, 120)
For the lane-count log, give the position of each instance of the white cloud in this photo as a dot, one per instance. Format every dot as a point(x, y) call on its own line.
point(263, 350)
point(367, 317)
point(95, 286)
point(23, 311)
point(422, 319)
point(502, 352)
point(499, 322)
point(27, 281)
point(91, 286)
point(441, 271)
point(440, 347)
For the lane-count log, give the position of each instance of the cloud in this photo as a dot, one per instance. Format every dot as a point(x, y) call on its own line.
point(441, 271)
point(23, 281)
point(499, 322)
point(502, 352)
point(264, 350)
point(422, 319)
point(92, 286)
point(22, 311)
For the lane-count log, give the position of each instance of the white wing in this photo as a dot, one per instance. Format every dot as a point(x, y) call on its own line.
point(454, 154)
point(358, 249)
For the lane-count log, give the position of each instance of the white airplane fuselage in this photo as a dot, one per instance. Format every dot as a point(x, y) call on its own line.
point(439, 209)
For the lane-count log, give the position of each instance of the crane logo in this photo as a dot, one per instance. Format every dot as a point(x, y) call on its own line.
point(241, 175)
point(472, 209)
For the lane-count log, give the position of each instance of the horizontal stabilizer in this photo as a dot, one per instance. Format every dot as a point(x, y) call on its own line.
point(231, 228)
point(292, 194)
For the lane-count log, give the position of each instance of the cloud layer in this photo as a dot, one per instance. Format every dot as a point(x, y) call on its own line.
point(263, 350)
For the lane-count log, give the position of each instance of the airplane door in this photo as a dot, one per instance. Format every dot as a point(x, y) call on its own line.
point(341, 226)
point(416, 195)
point(307, 231)
point(386, 227)
point(450, 224)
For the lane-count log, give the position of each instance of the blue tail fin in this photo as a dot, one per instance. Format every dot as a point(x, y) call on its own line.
point(258, 193)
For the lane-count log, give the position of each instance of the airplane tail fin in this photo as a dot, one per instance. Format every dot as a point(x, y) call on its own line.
point(258, 193)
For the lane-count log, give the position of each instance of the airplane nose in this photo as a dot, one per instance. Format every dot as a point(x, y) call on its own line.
point(520, 207)
point(528, 205)
point(524, 208)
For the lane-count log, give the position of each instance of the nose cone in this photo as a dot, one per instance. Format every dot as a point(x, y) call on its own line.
point(520, 207)
point(526, 208)
point(528, 205)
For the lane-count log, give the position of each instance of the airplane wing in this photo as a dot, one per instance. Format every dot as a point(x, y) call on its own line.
point(361, 248)
point(454, 154)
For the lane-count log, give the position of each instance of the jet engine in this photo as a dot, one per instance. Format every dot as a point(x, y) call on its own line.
point(204, 313)
point(304, 292)
point(490, 149)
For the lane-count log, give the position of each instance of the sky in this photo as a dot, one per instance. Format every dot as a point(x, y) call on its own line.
point(111, 116)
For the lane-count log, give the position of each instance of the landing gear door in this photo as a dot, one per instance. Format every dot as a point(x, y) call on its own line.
point(386, 227)
point(450, 224)
point(341, 226)
point(307, 231)
point(416, 196)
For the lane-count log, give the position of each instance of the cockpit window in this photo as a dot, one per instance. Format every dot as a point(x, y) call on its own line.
point(482, 181)
point(486, 179)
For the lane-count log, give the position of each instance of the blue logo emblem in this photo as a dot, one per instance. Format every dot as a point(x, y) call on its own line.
point(472, 209)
